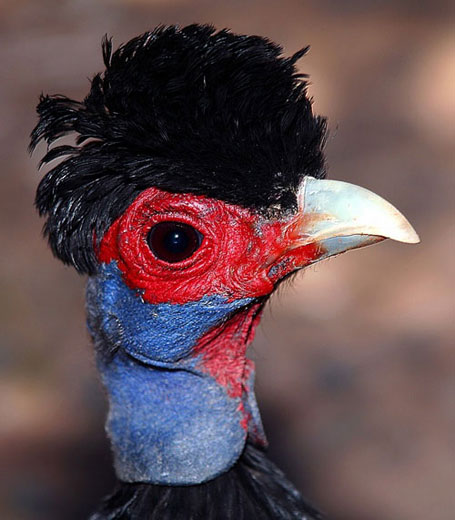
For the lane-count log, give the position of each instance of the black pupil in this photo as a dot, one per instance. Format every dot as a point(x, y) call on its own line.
point(173, 241)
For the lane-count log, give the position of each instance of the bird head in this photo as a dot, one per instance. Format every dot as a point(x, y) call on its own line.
point(195, 186)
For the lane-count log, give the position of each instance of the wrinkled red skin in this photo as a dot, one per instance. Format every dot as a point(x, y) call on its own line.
point(242, 254)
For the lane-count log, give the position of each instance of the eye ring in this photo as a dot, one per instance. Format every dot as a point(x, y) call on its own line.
point(173, 241)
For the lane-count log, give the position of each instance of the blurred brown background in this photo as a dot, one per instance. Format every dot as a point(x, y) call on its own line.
point(356, 362)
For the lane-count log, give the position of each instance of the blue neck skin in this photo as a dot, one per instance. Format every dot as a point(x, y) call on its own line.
point(169, 421)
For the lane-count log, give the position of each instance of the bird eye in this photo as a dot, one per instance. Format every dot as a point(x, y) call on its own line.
point(173, 241)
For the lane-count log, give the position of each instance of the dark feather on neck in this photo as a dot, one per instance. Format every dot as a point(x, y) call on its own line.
point(254, 489)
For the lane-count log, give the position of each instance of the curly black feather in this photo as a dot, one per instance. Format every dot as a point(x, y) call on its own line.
point(183, 109)
point(253, 489)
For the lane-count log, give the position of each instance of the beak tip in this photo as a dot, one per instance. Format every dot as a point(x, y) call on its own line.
point(414, 239)
point(407, 234)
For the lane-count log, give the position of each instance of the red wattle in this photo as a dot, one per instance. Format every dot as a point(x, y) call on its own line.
point(223, 351)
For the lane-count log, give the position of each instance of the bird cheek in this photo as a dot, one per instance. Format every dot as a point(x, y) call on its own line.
point(248, 281)
point(246, 265)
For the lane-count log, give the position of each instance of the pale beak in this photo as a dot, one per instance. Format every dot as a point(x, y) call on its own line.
point(337, 216)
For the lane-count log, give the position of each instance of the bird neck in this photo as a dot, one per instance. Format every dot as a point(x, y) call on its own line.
point(181, 391)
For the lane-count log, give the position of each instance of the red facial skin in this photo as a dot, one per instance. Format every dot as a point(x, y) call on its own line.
point(242, 254)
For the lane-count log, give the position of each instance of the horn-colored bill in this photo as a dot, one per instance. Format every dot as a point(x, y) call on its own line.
point(339, 216)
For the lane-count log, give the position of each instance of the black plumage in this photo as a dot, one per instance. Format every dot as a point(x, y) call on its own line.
point(186, 110)
point(254, 489)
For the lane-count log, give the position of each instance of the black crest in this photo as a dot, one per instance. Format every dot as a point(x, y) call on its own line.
point(183, 109)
